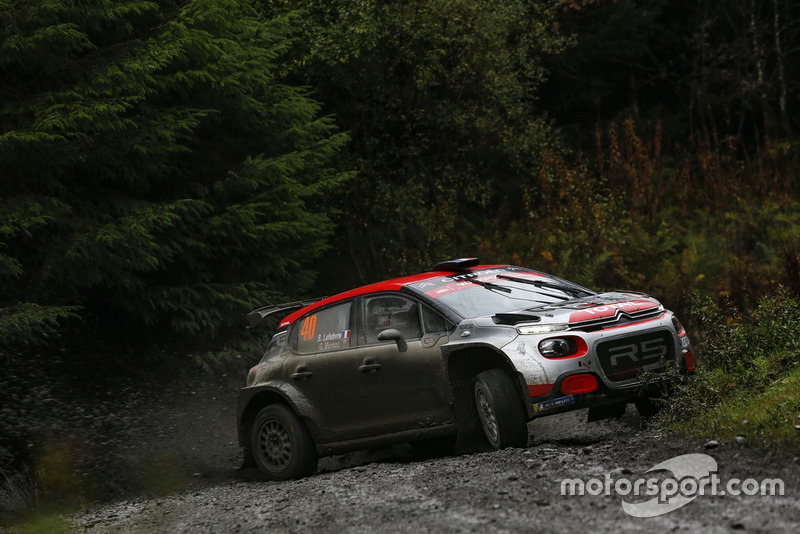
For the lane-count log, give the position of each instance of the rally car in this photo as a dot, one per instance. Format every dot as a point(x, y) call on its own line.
point(464, 354)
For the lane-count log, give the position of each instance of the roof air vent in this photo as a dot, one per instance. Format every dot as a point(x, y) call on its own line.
point(459, 265)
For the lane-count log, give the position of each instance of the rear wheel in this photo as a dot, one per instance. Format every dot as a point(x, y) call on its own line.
point(281, 445)
point(500, 410)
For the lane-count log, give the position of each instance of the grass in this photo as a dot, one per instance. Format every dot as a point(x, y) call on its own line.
point(768, 417)
point(33, 502)
point(45, 524)
point(749, 384)
point(19, 491)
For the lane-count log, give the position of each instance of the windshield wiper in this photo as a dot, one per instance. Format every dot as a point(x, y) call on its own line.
point(495, 288)
point(548, 285)
point(489, 285)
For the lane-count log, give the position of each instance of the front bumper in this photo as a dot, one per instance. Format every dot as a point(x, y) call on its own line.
point(558, 402)
point(627, 362)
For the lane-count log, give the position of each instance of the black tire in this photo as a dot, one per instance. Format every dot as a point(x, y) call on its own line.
point(281, 445)
point(648, 407)
point(500, 410)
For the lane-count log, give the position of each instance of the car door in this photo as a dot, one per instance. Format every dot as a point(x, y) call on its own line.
point(407, 386)
point(322, 367)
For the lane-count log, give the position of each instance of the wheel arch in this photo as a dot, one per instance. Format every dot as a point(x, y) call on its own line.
point(463, 364)
point(252, 400)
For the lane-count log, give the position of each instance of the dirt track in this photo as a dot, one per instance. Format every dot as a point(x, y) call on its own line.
point(515, 490)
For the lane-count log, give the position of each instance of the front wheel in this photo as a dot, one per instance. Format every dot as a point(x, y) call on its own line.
point(648, 407)
point(650, 403)
point(281, 445)
point(500, 410)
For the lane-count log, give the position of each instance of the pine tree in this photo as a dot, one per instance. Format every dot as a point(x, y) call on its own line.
point(153, 170)
point(440, 97)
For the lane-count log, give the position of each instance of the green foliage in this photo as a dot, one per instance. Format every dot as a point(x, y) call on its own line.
point(440, 100)
point(749, 380)
point(732, 342)
point(637, 219)
point(154, 169)
point(570, 225)
point(30, 323)
point(18, 488)
point(46, 524)
point(622, 59)
point(714, 71)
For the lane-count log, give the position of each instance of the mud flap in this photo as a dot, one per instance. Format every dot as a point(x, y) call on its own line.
point(607, 411)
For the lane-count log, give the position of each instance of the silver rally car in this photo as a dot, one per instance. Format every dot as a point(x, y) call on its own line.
point(461, 356)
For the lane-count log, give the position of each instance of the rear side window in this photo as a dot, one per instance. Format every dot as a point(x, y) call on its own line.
point(278, 341)
point(323, 330)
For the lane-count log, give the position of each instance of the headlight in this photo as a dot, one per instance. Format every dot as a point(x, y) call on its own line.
point(678, 326)
point(541, 328)
point(558, 347)
point(563, 347)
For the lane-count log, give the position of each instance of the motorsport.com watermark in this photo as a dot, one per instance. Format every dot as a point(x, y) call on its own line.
point(694, 475)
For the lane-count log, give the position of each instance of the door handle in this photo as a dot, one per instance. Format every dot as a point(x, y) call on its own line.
point(370, 366)
point(301, 373)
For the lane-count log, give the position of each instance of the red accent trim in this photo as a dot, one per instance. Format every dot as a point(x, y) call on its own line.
point(609, 310)
point(388, 285)
point(540, 390)
point(681, 330)
point(660, 317)
point(395, 284)
point(578, 384)
point(251, 375)
point(688, 360)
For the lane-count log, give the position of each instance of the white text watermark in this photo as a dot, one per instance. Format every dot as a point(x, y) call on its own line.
point(694, 475)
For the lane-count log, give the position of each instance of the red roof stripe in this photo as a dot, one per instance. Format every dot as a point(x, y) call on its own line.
point(395, 284)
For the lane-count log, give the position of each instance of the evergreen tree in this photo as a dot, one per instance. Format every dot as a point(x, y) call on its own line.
point(439, 97)
point(153, 170)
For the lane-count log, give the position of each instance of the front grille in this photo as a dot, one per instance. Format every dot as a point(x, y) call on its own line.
point(625, 358)
point(618, 319)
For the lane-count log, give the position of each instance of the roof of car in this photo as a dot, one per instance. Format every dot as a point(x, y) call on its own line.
point(394, 284)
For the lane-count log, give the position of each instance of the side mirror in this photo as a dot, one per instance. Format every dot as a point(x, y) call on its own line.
point(394, 334)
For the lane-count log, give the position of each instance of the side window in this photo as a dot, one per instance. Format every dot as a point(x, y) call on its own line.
point(382, 312)
point(433, 322)
point(321, 330)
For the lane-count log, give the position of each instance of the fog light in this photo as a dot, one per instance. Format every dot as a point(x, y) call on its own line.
point(578, 384)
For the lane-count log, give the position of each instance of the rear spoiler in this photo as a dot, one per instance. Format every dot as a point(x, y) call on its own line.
point(255, 317)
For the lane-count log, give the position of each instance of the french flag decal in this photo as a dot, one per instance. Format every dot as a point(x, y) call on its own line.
point(345, 334)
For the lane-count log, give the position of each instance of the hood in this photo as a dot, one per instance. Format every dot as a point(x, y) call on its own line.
point(592, 312)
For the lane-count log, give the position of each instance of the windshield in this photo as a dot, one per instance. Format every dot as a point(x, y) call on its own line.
point(499, 290)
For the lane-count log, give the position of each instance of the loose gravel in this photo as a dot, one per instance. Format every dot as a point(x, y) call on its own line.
point(163, 458)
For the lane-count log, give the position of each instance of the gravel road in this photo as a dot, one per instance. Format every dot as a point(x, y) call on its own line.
point(514, 490)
